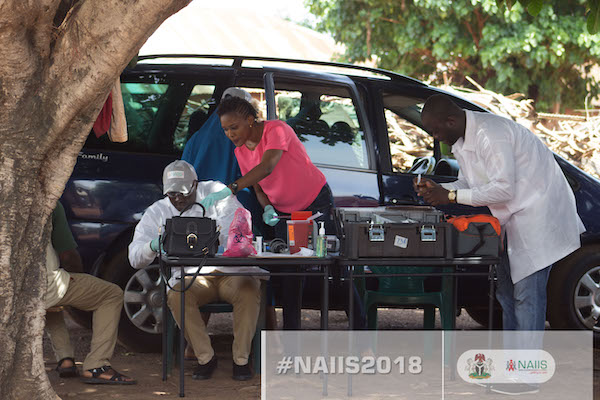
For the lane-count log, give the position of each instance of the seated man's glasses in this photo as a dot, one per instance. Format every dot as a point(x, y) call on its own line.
point(174, 195)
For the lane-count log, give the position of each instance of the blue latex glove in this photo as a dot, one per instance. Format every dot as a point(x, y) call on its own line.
point(154, 245)
point(270, 216)
point(212, 198)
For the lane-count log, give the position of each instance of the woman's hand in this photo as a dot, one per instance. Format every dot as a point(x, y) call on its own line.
point(270, 217)
point(212, 198)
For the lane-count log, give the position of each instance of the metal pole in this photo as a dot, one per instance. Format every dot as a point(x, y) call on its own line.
point(182, 336)
point(164, 325)
point(350, 320)
point(325, 320)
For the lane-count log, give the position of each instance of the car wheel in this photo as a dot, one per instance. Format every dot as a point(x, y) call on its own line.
point(574, 292)
point(141, 318)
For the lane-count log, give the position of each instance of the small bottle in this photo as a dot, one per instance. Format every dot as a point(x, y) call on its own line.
point(321, 248)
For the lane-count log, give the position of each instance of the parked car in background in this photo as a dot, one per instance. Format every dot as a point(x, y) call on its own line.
point(345, 116)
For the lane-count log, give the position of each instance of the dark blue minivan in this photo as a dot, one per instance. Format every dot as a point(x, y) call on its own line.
point(361, 116)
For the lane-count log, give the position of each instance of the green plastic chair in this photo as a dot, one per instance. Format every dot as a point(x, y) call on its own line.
point(410, 291)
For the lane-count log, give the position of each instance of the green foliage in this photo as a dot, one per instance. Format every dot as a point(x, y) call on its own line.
point(496, 42)
point(535, 6)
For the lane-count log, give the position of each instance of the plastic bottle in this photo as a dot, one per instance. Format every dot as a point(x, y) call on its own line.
point(321, 247)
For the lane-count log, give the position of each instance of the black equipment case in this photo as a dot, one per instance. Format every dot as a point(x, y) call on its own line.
point(403, 231)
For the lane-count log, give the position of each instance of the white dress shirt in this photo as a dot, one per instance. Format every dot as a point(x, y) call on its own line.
point(505, 167)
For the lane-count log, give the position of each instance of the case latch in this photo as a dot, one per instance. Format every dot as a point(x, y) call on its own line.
point(376, 233)
point(428, 233)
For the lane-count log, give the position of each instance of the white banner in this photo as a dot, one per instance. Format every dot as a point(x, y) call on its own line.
point(425, 364)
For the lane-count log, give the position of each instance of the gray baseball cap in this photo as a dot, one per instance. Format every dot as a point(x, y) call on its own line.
point(179, 177)
point(237, 92)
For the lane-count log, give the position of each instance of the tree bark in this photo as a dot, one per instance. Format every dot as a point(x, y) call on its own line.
point(60, 59)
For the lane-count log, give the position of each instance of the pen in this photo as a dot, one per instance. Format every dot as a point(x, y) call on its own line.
point(419, 179)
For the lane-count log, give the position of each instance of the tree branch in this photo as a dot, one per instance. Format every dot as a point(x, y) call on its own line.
point(475, 38)
point(86, 60)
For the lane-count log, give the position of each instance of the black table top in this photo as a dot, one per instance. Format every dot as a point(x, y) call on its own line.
point(250, 261)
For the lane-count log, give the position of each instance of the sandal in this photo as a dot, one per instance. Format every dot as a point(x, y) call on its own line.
point(67, 372)
point(115, 379)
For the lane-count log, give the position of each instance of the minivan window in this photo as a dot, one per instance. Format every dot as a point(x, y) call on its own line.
point(327, 125)
point(195, 113)
point(407, 141)
point(141, 101)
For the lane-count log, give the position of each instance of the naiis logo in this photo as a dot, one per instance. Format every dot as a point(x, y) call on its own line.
point(532, 366)
point(537, 366)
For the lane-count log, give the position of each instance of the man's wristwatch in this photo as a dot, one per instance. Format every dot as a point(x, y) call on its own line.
point(452, 196)
point(234, 188)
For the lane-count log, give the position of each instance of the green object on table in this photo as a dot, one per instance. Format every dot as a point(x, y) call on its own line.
point(410, 291)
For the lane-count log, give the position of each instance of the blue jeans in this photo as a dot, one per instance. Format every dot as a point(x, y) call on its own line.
point(523, 303)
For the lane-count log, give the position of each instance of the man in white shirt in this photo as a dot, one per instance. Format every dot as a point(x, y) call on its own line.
point(182, 189)
point(505, 167)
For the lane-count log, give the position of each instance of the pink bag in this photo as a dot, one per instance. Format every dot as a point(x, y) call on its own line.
point(239, 241)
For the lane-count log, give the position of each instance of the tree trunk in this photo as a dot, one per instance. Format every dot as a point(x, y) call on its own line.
point(60, 59)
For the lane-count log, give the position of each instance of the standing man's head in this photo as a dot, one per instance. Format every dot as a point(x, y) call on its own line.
point(443, 119)
point(179, 184)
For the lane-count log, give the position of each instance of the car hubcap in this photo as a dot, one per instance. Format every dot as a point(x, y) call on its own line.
point(587, 299)
point(143, 300)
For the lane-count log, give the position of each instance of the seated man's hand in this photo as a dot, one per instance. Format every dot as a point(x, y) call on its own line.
point(214, 197)
point(154, 245)
point(270, 216)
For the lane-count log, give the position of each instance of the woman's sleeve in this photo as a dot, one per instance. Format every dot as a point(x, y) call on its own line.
point(278, 136)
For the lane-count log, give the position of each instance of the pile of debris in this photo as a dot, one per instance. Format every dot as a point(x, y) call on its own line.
point(574, 137)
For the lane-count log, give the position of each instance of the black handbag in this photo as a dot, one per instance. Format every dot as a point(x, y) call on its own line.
point(191, 236)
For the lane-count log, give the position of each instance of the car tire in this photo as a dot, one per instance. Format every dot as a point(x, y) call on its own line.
point(119, 271)
point(481, 316)
point(574, 291)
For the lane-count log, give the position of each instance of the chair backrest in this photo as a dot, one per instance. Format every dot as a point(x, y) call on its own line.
point(401, 284)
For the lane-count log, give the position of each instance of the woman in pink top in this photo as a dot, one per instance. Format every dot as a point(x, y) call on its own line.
point(274, 162)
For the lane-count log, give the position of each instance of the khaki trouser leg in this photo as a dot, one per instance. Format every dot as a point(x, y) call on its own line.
point(105, 299)
point(59, 335)
point(203, 291)
point(243, 293)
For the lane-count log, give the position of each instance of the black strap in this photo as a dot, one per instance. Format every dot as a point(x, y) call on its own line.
point(192, 205)
point(480, 229)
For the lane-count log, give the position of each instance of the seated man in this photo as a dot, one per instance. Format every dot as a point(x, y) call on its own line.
point(182, 188)
point(85, 292)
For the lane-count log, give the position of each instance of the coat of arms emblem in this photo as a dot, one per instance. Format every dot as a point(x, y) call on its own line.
point(479, 367)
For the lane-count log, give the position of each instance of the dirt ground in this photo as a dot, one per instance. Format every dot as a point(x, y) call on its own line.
point(147, 369)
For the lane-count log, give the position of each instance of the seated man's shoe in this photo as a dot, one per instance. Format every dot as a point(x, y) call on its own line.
point(515, 389)
point(66, 368)
point(242, 372)
point(205, 371)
